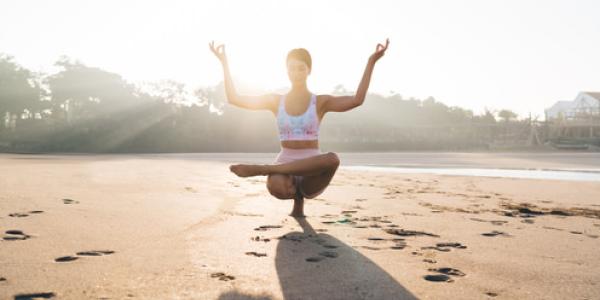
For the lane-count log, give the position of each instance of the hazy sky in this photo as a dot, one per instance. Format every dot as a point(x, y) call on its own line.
point(522, 55)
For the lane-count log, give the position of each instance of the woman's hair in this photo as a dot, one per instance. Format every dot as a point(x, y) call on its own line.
point(300, 54)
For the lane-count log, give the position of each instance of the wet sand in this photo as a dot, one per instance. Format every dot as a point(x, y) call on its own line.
point(184, 227)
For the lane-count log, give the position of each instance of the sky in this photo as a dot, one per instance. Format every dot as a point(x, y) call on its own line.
point(519, 55)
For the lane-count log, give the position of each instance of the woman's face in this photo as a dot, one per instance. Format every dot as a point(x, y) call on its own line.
point(298, 70)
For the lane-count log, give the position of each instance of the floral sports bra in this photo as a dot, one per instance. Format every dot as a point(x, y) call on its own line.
point(298, 128)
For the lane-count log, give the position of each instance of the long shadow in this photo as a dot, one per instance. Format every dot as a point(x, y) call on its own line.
point(350, 275)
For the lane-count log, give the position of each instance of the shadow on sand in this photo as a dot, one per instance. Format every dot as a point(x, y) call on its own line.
point(335, 270)
point(350, 275)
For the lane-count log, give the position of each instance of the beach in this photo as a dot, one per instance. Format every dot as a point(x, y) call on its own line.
point(185, 227)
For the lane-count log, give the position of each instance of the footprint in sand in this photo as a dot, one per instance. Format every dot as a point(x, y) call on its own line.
point(452, 244)
point(495, 233)
point(14, 235)
point(259, 239)
point(448, 271)
point(266, 227)
point(315, 259)
point(69, 258)
point(329, 254)
point(95, 253)
point(443, 277)
point(257, 254)
point(34, 296)
point(438, 278)
point(222, 276)
point(371, 248)
point(70, 201)
point(399, 246)
point(17, 215)
point(403, 232)
point(66, 258)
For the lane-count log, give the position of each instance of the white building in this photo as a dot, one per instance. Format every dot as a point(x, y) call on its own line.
point(586, 103)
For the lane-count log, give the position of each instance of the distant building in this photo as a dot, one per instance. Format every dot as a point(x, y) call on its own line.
point(585, 104)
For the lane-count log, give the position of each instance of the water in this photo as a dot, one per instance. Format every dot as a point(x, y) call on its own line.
point(587, 175)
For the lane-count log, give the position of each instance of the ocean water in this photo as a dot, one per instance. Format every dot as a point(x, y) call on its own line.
point(573, 175)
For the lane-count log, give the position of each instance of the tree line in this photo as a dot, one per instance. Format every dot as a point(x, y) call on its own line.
point(87, 109)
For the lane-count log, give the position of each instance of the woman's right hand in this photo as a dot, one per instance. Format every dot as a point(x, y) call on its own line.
point(219, 51)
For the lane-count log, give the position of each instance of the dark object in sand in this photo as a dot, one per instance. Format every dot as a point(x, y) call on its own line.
point(95, 252)
point(448, 271)
point(402, 232)
point(65, 258)
point(36, 211)
point(256, 254)
point(2, 279)
point(34, 296)
point(429, 260)
point(491, 294)
point(69, 201)
point(438, 278)
point(526, 209)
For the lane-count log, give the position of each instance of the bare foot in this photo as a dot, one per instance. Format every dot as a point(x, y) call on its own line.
point(247, 170)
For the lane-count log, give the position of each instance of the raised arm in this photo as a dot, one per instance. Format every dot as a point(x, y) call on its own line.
point(267, 102)
point(345, 103)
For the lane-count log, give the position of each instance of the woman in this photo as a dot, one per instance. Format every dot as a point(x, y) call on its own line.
point(300, 170)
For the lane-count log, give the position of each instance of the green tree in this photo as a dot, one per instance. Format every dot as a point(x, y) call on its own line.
point(507, 115)
point(19, 89)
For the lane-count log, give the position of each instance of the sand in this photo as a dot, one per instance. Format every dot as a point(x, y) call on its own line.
point(167, 227)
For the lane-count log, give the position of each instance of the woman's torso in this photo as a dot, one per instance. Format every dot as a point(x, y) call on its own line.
point(296, 105)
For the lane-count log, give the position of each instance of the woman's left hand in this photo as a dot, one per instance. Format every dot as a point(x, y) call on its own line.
point(379, 51)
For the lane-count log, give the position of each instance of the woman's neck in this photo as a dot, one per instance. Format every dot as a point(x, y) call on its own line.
point(299, 89)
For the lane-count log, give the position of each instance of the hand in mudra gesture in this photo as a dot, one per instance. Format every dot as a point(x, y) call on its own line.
point(379, 51)
point(219, 51)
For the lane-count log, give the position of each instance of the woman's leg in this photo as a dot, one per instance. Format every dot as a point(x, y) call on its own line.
point(283, 186)
point(314, 184)
point(310, 166)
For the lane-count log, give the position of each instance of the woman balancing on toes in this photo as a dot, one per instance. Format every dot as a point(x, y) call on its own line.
point(300, 170)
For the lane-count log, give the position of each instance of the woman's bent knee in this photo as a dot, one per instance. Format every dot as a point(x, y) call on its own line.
point(333, 159)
